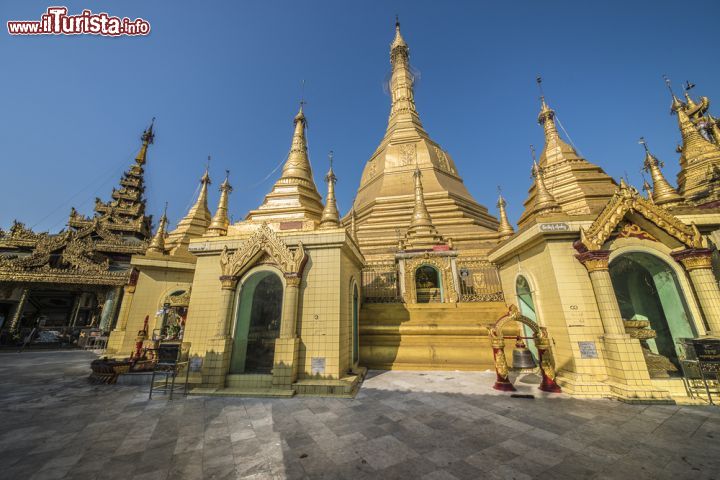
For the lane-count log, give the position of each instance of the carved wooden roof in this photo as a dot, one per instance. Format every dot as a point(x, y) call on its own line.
point(628, 200)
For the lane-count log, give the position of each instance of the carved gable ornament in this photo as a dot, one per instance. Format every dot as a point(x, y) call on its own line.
point(628, 200)
point(263, 242)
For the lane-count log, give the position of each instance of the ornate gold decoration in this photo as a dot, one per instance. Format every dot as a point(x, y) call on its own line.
point(408, 154)
point(443, 162)
point(594, 260)
point(180, 300)
point(485, 285)
point(542, 342)
point(71, 257)
point(263, 240)
point(694, 258)
point(444, 268)
point(625, 200)
point(631, 230)
point(293, 280)
point(698, 179)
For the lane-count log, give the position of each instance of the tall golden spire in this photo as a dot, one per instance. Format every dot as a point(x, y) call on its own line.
point(699, 159)
point(504, 229)
point(148, 137)
point(662, 192)
point(401, 82)
point(546, 118)
point(330, 216)
point(157, 245)
point(220, 222)
point(196, 222)
point(297, 166)
point(544, 201)
point(294, 196)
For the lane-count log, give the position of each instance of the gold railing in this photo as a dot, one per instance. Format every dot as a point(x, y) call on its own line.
point(380, 284)
point(479, 281)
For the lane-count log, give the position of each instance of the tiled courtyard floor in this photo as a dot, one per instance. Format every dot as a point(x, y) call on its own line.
point(441, 425)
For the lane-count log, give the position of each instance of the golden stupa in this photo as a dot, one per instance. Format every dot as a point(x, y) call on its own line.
point(385, 198)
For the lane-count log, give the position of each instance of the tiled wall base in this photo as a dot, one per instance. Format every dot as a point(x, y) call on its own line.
point(216, 362)
point(116, 340)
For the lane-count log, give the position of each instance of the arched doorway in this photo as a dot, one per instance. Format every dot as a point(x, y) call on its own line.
point(258, 323)
point(427, 284)
point(355, 326)
point(647, 288)
point(527, 309)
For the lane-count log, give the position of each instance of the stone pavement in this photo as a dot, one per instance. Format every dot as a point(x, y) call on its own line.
point(433, 426)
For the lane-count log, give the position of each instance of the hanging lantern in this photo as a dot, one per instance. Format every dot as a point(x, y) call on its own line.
point(522, 357)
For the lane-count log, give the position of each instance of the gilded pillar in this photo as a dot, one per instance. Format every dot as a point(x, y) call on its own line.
point(229, 284)
point(596, 262)
point(288, 324)
point(19, 307)
point(697, 262)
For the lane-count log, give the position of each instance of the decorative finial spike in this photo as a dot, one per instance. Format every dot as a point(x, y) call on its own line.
point(330, 158)
point(644, 144)
point(539, 80)
point(397, 21)
point(302, 94)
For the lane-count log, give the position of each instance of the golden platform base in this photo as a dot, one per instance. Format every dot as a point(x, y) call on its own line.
point(433, 336)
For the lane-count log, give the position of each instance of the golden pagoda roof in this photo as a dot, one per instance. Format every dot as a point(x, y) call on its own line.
point(294, 197)
point(195, 223)
point(576, 185)
point(386, 192)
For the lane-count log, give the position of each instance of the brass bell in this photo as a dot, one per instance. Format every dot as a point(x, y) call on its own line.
point(522, 358)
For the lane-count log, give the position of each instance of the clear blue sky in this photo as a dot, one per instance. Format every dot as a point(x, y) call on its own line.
point(223, 78)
